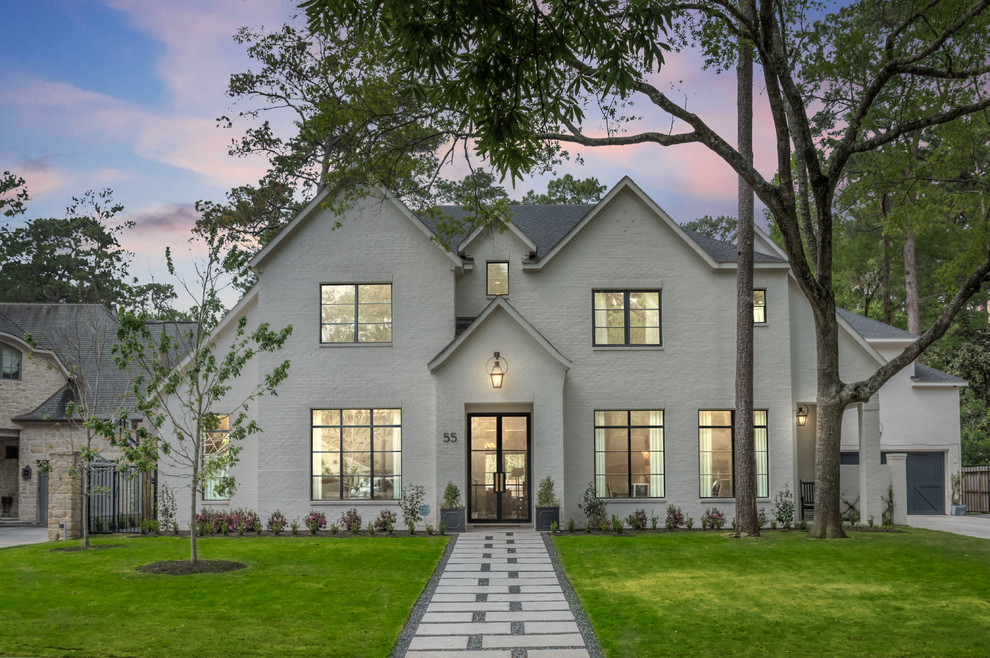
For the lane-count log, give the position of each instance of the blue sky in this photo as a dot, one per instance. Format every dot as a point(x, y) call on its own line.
point(125, 94)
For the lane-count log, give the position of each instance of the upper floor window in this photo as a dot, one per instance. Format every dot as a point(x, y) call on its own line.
point(357, 454)
point(627, 317)
point(356, 313)
point(629, 454)
point(759, 305)
point(498, 278)
point(216, 442)
point(715, 440)
point(10, 362)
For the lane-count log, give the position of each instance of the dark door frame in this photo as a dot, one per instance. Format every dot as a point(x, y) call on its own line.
point(499, 517)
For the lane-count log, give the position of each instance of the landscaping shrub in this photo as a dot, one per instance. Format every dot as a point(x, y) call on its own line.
point(675, 517)
point(637, 520)
point(385, 521)
point(783, 506)
point(412, 499)
point(593, 507)
point(316, 521)
point(351, 520)
point(276, 522)
point(712, 519)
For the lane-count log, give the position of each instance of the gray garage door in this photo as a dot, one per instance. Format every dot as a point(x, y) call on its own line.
point(925, 483)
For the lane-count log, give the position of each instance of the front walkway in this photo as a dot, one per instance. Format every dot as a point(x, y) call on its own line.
point(498, 596)
point(972, 525)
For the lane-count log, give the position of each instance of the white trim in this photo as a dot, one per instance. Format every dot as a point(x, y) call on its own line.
point(498, 303)
point(508, 224)
point(25, 347)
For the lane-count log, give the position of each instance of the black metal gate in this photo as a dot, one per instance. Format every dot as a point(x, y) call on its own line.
point(120, 498)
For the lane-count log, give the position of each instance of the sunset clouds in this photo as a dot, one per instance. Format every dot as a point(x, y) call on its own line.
point(126, 93)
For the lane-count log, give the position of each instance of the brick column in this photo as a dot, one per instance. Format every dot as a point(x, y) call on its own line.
point(897, 463)
point(870, 486)
point(64, 503)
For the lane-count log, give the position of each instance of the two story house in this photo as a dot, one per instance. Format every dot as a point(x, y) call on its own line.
point(591, 343)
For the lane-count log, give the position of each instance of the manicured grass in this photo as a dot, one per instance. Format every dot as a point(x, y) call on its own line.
point(299, 596)
point(691, 593)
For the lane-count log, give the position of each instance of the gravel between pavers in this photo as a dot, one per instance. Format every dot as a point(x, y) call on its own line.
point(587, 632)
point(422, 603)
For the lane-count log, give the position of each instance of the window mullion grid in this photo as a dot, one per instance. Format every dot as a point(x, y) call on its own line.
point(625, 318)
point(357, 305)
point(629, 450)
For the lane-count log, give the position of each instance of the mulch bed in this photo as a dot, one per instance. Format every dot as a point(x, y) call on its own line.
point(185, 567)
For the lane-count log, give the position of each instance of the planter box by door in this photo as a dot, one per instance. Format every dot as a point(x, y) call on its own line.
point(958, 510)
point(545, 516)
point(453, 519)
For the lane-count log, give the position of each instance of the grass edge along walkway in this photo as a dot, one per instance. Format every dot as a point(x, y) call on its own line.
point(704, 593)
point(305, 596)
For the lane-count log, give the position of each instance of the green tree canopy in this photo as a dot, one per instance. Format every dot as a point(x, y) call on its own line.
point(517, 80)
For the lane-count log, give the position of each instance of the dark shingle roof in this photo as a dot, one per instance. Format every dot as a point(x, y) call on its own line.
point(547, 225)
point(82, 337)
point(927, 375)
point(871, 329)
point(726, 252)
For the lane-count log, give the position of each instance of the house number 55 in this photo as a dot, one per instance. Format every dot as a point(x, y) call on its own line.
point(450, 437)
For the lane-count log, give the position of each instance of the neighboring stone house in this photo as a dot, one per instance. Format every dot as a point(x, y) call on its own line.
point(592, 344)
point(71, 361)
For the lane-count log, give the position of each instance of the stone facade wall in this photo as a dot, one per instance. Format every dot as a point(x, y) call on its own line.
point(40, 378)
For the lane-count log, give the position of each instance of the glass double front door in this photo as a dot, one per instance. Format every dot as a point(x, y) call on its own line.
point(499, 464)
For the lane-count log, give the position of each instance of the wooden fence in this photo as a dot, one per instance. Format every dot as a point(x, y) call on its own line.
point(976, 488)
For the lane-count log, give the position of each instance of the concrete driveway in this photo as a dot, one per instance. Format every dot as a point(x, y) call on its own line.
point(22, 534)
point(972, 525)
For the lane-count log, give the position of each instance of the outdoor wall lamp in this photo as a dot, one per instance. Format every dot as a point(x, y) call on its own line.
point(26, 472)
point(802, 416)
point(496, 371)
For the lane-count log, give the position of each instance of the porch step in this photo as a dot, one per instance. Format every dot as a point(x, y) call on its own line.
point(14, 522)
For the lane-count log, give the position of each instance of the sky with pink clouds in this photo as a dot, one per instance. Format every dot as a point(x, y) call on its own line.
point(125, 94)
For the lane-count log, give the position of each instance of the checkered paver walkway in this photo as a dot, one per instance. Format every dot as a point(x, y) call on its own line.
point(498, 597)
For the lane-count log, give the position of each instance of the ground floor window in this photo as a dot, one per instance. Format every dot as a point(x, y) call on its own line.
point(357, 454)
point(715, 441)
point(629, 454)
point(216, 441)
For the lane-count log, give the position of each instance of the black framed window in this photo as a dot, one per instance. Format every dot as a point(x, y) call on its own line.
point(715, 450)
point(10, 362)
point(498, 277)
point(356, 313)
point(629, 454)
point(216, 441)
point(759, 305)
point(357, 454)
point(626, 317)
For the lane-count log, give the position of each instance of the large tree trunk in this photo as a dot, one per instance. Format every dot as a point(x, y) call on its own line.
point(745, 456)
point(828, 432)
point(911, 285)
point(888, 303)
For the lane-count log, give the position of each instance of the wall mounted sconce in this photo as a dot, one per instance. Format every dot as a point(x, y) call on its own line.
point(26, 472)
point(497, 371)
point(802, 416)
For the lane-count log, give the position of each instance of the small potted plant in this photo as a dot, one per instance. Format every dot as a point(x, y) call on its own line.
point(958, 509)
point(547, 505)
point(452, 509)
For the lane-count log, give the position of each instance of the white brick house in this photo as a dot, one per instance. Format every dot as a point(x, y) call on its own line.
point(615, 329)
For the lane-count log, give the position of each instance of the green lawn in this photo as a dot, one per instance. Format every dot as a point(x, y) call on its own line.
point(299, 596)
point(691, 593)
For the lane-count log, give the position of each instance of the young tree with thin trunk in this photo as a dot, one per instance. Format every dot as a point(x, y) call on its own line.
point(185, 386)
